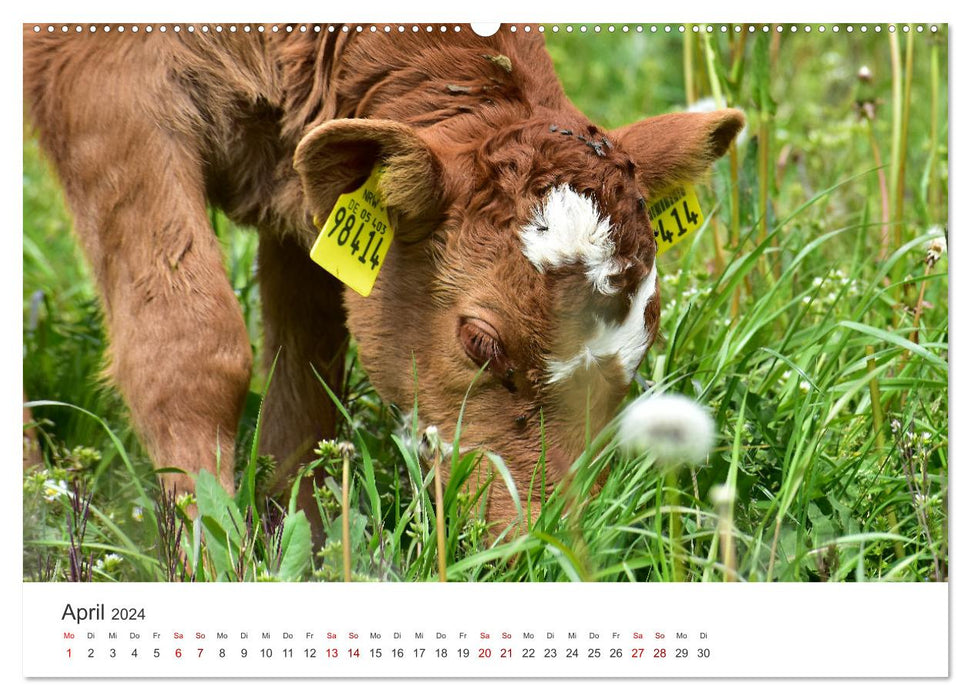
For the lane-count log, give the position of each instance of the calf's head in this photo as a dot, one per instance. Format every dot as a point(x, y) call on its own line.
point(523, 248)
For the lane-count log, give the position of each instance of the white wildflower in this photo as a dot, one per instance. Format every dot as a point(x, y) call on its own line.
point(53, 489)
point(672, 428)
point(136, 514)
point(937, 248)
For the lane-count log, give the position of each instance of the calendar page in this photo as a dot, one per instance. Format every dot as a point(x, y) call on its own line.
point(520, 350)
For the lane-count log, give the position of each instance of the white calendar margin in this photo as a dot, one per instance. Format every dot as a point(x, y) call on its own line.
point(752, 630)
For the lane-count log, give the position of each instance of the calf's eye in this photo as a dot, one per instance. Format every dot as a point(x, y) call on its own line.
point(482, 345)
point(480, 341)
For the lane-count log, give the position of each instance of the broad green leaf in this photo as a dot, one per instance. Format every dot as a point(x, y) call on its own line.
point(296, 547)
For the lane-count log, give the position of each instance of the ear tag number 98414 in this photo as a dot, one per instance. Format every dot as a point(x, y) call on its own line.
point(356, 237)
point(675, 216)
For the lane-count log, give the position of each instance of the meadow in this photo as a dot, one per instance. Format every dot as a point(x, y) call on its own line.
point(809, 315)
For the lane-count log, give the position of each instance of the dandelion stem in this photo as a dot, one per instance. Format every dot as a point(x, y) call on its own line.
point(674, 527)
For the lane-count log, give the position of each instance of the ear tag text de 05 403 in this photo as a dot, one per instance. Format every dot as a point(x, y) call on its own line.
point(676, 215)
point(355, 239)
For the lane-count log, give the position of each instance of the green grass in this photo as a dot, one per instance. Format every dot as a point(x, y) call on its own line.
point(832, 451)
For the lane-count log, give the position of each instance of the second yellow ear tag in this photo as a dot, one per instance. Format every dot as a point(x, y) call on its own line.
point(675, 216)
point(356, 237)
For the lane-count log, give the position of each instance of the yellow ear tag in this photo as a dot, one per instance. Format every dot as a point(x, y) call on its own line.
point(675, 216)
point(356, 237)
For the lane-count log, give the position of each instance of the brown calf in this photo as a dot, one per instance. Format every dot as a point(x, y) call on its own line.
point(522, 242)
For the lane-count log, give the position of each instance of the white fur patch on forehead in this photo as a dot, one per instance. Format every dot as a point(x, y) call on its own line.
point(627, 340)
point(567, 228)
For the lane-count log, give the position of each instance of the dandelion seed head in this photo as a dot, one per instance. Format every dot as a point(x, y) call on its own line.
point(721, 494)
point(431, 443)
point(670, 427)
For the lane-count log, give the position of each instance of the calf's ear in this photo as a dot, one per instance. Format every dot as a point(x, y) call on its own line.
point(336, 157)
point(677, 148)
